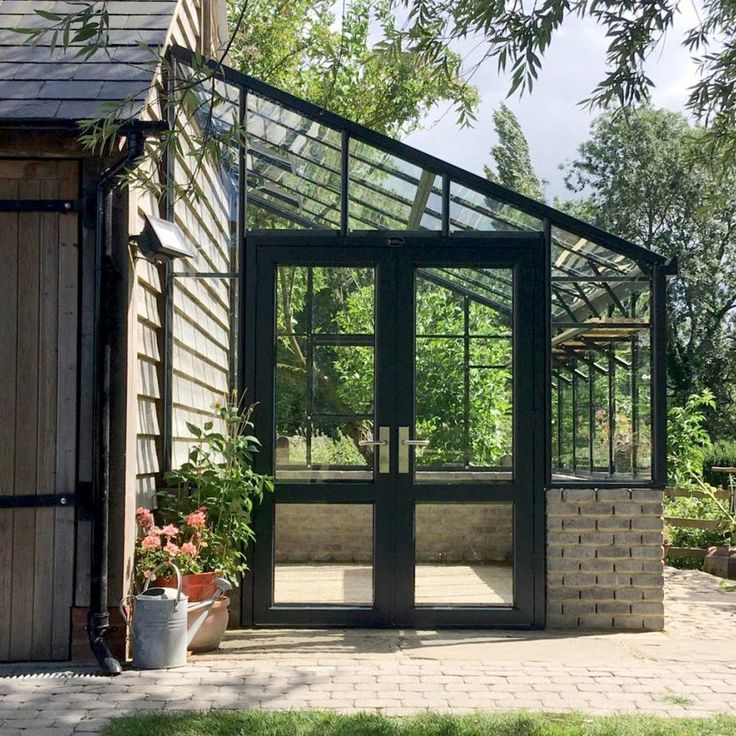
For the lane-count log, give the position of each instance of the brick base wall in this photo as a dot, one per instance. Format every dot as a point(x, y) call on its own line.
point(604, 559)
point(116, 637)
point(444, 533)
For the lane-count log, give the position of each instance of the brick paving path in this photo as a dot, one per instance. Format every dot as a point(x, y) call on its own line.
point(674, 674)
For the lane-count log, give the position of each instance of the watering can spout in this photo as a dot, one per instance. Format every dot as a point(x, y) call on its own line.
point(203, 607)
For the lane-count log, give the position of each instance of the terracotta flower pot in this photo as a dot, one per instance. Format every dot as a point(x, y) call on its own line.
point(197, 586)
point(212, 630)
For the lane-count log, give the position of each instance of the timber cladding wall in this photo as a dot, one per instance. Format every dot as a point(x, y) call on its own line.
point(39, 334)
point(201, 360)
point(604, 559)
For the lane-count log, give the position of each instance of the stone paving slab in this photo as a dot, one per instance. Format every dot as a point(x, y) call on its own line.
point(685, 671)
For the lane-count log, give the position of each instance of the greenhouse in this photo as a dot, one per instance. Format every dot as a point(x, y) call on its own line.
point(431, 355)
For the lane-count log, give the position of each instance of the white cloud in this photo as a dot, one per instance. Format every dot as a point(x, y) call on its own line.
point(551, 116)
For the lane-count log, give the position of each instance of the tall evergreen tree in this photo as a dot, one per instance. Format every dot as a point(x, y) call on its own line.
point(513, 163)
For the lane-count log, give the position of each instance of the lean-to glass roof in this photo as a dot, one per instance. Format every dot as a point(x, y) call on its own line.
point(306, 169)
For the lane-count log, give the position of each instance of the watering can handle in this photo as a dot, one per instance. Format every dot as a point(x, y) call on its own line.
point(123, 612)
point(160, 567)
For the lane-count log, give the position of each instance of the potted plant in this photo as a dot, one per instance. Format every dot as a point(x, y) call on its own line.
point(203, 520)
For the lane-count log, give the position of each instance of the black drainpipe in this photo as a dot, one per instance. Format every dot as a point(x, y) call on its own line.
point(98, 620)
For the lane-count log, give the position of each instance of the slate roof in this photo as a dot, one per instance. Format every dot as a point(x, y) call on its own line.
point(38, 83)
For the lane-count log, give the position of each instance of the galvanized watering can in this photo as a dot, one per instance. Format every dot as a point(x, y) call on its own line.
point(159, 630)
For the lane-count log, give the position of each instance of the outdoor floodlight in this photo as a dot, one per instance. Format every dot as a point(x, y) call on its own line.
point(161, 239)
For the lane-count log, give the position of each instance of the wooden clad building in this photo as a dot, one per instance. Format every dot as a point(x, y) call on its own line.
point(49, 444)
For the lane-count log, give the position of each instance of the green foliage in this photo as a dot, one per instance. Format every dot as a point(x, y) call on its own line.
point(514, 167)
point(721, 455)
point(301, 47)
point(85, 28)
point(689, 446)
point(688, 440)
point(343, 302)
point(297, 45)
point(645, 176)
point(315, 723)
point(219, 479)
point(696, 508)
point(518, 35)
point(440, 376)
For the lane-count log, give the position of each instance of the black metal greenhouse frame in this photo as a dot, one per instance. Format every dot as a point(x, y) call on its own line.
point(654, 267)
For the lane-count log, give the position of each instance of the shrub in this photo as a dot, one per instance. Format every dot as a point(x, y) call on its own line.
point(721, 454)
point(688, 439)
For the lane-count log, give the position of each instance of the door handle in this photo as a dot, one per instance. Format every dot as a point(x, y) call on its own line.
point(383, 448)
point(404, 444)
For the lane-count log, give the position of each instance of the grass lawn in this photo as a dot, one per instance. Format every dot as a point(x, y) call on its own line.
point(314, 723)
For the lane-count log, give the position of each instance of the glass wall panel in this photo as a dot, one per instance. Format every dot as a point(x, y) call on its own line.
point(389, 193)
point(323, 554)
point(601, 363)
point(324, 373)
point(463, 554)
point(293, 169)
point(463, 374)
point(472, 210)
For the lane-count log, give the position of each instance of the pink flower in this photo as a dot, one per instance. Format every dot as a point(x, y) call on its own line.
point(154, 531)
point(188, 549)
point(144, 517)
point(151, 542)
point(197, 519)
point(169, 530)
point(171, 548)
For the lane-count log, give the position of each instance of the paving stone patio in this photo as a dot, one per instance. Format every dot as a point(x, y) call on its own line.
point(688, 670)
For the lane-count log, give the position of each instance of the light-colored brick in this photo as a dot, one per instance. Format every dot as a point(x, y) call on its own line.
point(618, 539)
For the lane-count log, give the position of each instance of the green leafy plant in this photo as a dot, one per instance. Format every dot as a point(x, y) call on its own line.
point(689, 444)
point(721, 455)
point(210, 498)
point(688, 439)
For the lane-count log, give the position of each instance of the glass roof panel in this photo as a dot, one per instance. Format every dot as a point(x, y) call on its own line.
point(389, 193)
point(293, 169)
point(576, 256)
point(473, 210)
point(491, 287)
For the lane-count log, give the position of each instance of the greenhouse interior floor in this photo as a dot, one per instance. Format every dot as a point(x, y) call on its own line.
point(352, 584)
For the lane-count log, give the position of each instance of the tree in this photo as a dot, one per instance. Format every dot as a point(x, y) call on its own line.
point(511, 155)
point(295, 46)
point(647, 177)
point(518, 34)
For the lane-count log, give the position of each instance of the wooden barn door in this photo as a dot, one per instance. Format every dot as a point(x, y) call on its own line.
point(38, 410)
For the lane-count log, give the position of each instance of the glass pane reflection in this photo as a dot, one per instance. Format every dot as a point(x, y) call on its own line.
point(324, 373)
point(463, 374)
point(323, 554)
point(464, 554)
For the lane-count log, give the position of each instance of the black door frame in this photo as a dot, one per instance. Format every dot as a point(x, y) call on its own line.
point(392, 605)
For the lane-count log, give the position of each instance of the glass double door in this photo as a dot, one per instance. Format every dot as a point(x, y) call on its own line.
point(399, 401)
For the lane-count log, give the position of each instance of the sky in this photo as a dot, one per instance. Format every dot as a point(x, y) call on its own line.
point(551, 117)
